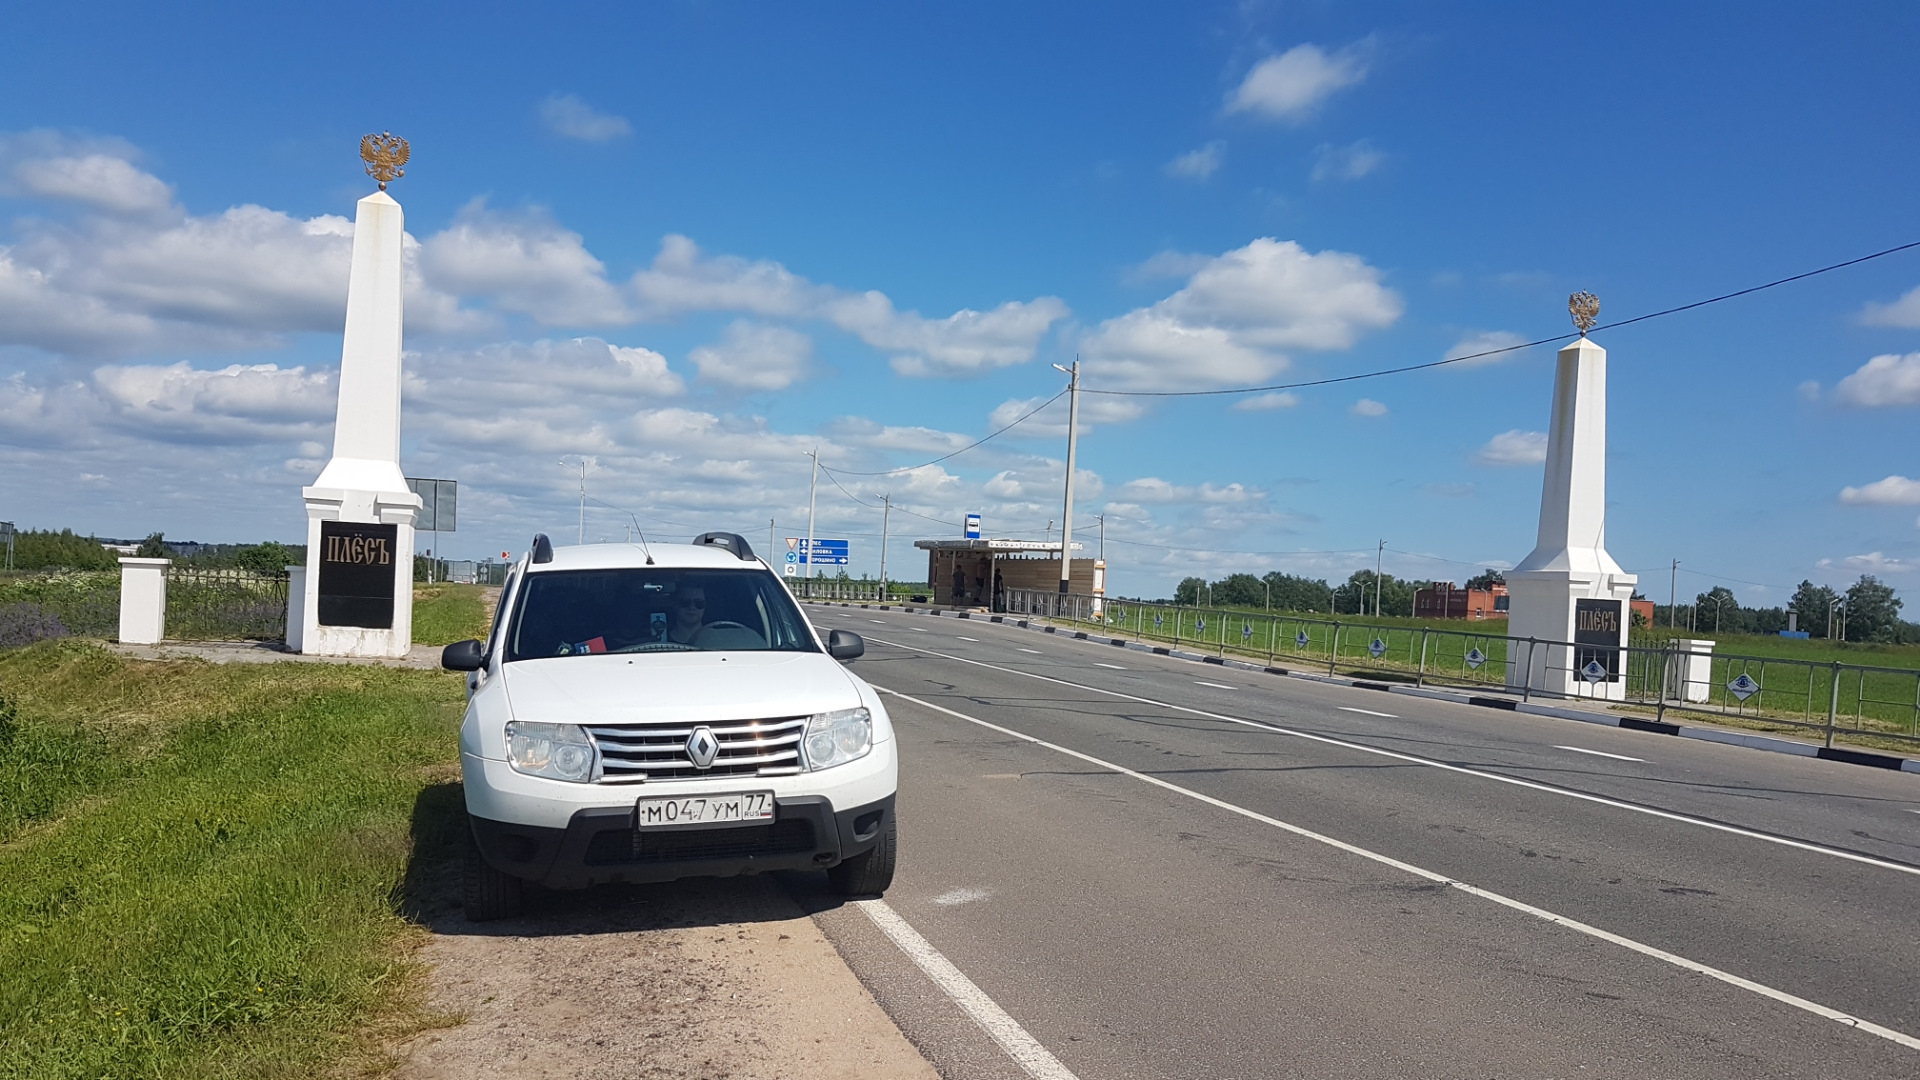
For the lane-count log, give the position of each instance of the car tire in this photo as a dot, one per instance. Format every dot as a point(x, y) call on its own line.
point(870, 872)
point(488, 893)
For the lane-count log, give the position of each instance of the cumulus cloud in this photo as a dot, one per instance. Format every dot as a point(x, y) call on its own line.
point(684, 279)
point(1488, 341)
point(1198, 164)
point(1284, 399)
point(1152, 489)
point(571, 118)
point(1892, 491)
point(1291, 87)
point(1514, 448)
point(1234, 314)
point(526, 263)
point(1368, 407)
point(103, 181)
point(1884, 381)
point(755, 357)
point(1051, 422)
point(1903, 313)
point(1873, 562)
point(1349, 162)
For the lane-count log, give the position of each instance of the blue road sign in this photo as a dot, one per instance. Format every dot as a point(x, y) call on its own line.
point(825, 552)
point(973, 526)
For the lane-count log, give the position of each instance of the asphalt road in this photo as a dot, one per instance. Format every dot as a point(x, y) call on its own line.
point(1294, 879)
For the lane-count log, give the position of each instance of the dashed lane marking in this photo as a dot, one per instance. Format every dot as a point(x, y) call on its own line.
point(964, 637)
point(1599, 753)
point(1035, 652)
point(1368, 712)
point(1543, 914)
point(1115, 667)
point(1215, 685)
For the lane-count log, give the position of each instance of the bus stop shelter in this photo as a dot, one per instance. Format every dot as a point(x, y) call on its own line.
point(977, 573)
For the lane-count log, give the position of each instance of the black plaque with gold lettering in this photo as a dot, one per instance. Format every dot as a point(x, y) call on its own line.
point(1596, 636)
point(357, 574)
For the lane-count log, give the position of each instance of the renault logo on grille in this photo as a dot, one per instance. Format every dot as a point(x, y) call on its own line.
point(702, 747)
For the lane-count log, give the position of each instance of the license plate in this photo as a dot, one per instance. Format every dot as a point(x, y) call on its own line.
point(737, 808)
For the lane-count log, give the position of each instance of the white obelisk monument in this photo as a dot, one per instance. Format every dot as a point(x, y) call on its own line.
point(1569, 592)
point(358, 589)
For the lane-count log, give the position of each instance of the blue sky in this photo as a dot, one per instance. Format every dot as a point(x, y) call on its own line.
point(692, 241)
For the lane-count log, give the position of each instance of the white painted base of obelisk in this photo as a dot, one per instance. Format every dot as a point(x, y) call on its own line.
point(1541, 606)
point(374, 507)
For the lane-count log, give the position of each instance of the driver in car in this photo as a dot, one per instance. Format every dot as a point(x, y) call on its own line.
point(689, 613)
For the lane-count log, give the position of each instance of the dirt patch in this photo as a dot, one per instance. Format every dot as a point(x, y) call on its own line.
point(696, 979)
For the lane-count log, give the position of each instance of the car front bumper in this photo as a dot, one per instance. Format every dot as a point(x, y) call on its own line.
point(600, 844)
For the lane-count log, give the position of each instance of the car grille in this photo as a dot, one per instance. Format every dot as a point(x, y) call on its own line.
point(612, 847)
point(631, 753)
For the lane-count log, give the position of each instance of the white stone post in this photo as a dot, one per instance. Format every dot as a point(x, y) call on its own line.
point(357, 596)
point(143, 601)
point(296, 607)
point(1569, 563)
point(1691, 675)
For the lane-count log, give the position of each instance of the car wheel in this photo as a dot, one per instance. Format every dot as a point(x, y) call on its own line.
point(870, 872)
point(489, 894)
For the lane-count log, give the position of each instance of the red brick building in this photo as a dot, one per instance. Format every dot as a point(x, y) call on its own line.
point(1445, 600)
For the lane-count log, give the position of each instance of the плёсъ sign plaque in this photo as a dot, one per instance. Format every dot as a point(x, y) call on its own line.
point(1596, 635)
point(357, 574)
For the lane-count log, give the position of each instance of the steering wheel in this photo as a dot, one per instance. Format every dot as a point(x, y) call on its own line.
point(728, 624)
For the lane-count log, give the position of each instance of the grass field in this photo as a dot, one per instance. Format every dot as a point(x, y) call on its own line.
point(202, 866)
point(444, 614)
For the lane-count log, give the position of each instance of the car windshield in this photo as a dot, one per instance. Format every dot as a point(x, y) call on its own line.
point(638, 610)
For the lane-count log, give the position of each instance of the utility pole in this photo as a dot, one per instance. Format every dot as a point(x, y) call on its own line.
point(582, 537)
point(1673, 594)
point(1379, 557)
point(1103, 538)
point(813, 487)
point(770, 541)
point(886, 512)
point(1073, 432)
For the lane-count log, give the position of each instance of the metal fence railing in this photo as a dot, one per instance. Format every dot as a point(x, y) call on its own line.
point(851, 590)
point(225, 605)
point(1828, 697)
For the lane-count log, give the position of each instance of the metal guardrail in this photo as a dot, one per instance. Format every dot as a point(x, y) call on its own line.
point(848, 589)
point(1827, 697)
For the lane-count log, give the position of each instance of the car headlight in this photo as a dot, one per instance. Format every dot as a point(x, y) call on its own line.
point(555, 751)
point(835, 738)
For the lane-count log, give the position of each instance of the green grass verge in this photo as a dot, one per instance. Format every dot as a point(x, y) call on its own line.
point(444, 614)
point(202, 866)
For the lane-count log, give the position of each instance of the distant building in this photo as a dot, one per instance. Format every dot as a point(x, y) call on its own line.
point(1445, 600)
point(1644, 609)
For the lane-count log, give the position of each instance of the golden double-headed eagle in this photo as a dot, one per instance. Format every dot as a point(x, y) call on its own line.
point(384, 154)
point(1585, 309)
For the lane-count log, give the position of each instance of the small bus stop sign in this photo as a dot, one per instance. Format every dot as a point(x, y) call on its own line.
point(973, 527)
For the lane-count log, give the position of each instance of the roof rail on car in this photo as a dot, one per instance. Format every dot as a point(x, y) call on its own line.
point(733, 542)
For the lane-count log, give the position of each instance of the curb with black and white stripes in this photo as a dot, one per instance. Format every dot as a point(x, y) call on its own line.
point(1630, 723)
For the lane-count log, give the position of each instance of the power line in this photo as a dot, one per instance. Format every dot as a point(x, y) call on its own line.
point(909, 468)
point(1510, 348)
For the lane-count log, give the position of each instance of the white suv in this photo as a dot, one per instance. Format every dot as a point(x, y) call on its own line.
point(645, 713)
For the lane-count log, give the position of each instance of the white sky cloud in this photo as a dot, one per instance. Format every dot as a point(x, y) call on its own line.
point(526, 263)
point(1485, 341)
point(1350, 162)
point(571, 118)
point(1892, 491)
point(1284, 399)
point(1234, 314)
point(1291, 86)
point(1368, 407)
point(1873, 562)
point(1199, 164)
point(1514, 448)
point(1903, 313)
point(1884, 381)
point(755, 357)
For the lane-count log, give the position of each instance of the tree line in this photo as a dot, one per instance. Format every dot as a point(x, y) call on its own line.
point(1290, 592)
point(46, 549)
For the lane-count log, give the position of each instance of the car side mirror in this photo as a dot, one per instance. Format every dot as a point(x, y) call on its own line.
point(845, 645)
point(463, 656)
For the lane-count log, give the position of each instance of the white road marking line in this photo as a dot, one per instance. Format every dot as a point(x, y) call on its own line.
point(1913, 811)
point(1115, 667)
point(1005, 1030)
point(1368, 712)
point(1543, 914)
point(916, 630)
point(964, 895)
point(1668, 815)
point(1599, 753)
point(964, 637)
point(878, 622)
point(1215, 685)
point(1035, 652)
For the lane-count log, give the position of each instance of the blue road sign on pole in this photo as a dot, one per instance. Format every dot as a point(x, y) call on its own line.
point(973, 527)
point(825, 552)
